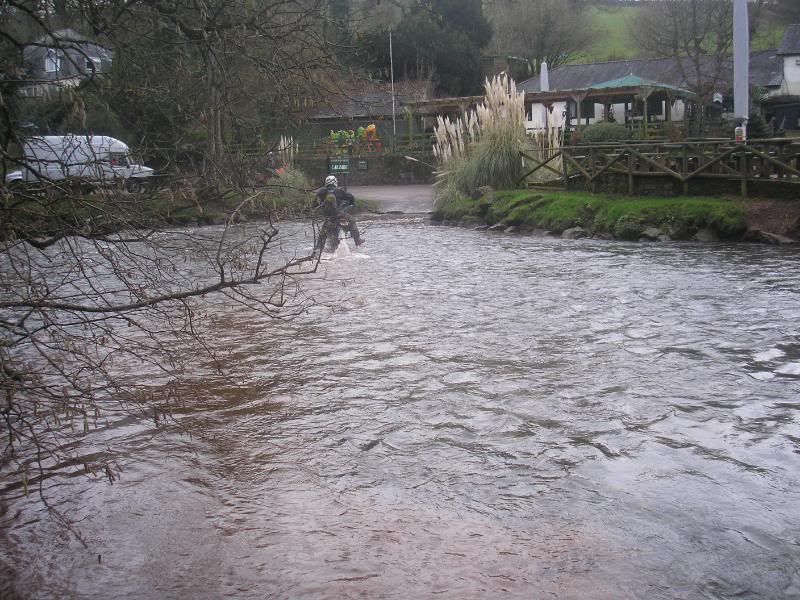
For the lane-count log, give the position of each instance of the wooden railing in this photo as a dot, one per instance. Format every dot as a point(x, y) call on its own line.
point(325, 147)
point(773, 160)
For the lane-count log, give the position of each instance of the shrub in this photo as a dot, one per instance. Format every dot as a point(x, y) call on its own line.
point(452, 204)
point(675, 132)
point(757, 127)
point(628, 227)
point(289, 194)
point(605, 132)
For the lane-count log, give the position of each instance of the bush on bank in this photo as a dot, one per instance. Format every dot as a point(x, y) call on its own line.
point(286, 197)
point(281, 197)
point(604, 132)
point(27, 213)
point(620, 217)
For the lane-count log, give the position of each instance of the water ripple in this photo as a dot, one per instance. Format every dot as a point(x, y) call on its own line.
point(469, 416)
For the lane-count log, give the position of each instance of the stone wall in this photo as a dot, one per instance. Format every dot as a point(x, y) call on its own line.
point(386, 169)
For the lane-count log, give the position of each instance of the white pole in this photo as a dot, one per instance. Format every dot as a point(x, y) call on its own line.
point(741, 62)
point(391, 68)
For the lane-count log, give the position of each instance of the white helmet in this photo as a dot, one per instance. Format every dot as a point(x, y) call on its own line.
point(331, 180)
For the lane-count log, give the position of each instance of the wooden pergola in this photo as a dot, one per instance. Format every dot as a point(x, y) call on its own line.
point(624, 90)
point(438, 107)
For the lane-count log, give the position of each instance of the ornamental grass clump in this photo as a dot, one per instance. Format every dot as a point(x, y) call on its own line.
point(482, 148)
point(287, 150)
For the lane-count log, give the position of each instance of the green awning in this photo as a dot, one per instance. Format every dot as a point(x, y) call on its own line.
point(634, 81)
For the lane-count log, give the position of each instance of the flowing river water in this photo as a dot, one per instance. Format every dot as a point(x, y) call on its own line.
point(463, 415)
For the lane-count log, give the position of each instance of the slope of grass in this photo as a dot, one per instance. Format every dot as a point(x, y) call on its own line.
point(614, 42)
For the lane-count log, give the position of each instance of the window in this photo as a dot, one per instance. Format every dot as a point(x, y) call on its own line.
point(94, 65)
point(52, 61)
point(32, 91)
point(118, 159)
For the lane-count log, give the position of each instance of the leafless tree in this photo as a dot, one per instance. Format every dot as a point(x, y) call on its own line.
point(229, 60)
point(787, 10)
point(540, 30)
point(103, 304)
point(698, 34)
point(372, 14)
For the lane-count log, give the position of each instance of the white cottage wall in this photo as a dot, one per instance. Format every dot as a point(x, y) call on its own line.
point(791, 76)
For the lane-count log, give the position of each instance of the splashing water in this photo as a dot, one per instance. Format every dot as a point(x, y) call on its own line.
point(342, 250)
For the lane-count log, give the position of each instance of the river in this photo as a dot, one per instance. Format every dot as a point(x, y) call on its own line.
point(465, 415)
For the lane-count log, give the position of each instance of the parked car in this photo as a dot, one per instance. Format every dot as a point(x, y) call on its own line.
point(86, 160)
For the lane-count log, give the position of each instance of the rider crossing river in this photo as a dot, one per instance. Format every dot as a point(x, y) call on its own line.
point(334, 202)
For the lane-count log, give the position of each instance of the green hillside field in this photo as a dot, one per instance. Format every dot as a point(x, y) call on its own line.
point(614, 43)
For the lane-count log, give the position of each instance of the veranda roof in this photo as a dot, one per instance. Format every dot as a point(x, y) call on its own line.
point(634, 81)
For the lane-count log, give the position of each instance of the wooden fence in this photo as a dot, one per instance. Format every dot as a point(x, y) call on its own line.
point(681, 163)
point(323, 147)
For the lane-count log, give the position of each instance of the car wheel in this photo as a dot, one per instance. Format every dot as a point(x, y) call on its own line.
point(134, 186)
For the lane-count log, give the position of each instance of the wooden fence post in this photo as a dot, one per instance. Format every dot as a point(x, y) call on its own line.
point(685, 169)
point(630, 173)
point(743, 169)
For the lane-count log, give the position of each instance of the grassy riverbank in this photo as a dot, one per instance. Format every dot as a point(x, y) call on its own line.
point(619, 217)
point(213, 207)
point(187, 210)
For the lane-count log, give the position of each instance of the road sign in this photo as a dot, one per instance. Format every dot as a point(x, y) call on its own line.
point(338, 165)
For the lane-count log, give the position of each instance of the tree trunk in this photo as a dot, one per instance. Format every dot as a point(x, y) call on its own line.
point(214, 144)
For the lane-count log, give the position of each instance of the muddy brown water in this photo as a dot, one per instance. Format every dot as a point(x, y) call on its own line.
point(465, 416)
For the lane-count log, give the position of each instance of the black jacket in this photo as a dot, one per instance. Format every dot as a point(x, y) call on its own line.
point(343, 199)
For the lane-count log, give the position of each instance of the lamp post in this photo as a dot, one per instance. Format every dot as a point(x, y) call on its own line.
point(741, 67)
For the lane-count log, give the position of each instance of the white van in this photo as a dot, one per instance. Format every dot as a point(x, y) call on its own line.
point(96, 159)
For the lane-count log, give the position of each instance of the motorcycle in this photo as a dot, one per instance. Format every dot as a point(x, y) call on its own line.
point(335, 229)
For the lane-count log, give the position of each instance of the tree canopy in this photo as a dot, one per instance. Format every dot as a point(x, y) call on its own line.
point(553, 31)
point(443, 38)
point(787, 10)
point(697, 33)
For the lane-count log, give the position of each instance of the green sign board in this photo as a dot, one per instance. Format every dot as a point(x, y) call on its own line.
point(338, 165)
